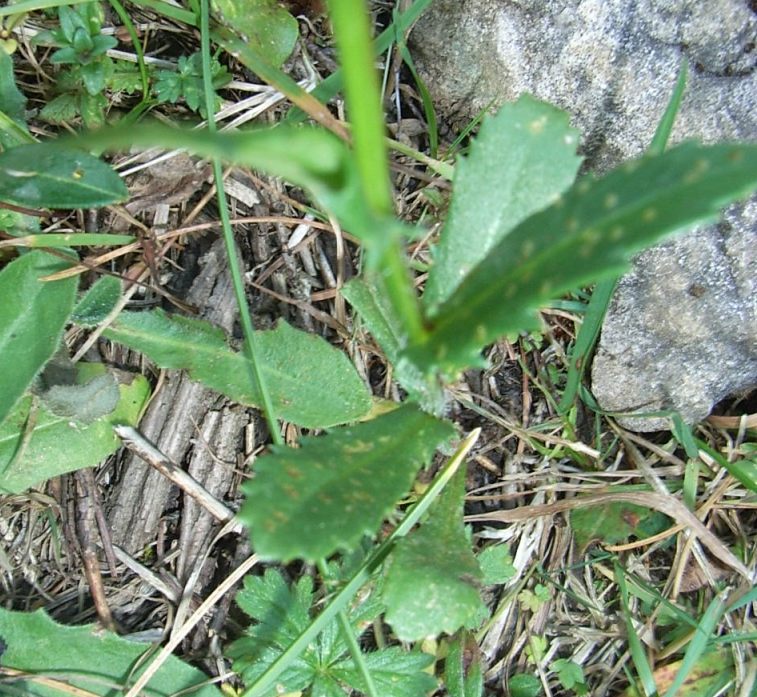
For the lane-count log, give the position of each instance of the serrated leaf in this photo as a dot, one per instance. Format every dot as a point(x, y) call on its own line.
point(343, 484)
point(589, 233)
point(395, 673)
point(438, 559)
point(87, 658)
point(521, 160)
point(310, 382)
point(45, 175)
point(65, 107)
point(614, 523)
point(36, 444)
point(33, 315)
point(268, 28)
point(282, 612)
point(98, 302)
point(496, 564)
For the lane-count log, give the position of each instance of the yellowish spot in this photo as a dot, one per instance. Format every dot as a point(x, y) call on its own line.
point(649, 215)
point(617, 233)
point(611, 200)
point(583, 186)
point(527, 249)
point(480, 333)
point(78, 173)
point(572, 224)
point(537, 125)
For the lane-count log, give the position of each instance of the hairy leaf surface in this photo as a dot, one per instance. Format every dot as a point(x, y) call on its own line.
point(87, 658)
point(37, 444)
point(521, 160)
point(45, 175)
point(32, 317)
point(432, 580)
point(589, 233)
point(311, 383)
point(98, 302)
point(326, 495)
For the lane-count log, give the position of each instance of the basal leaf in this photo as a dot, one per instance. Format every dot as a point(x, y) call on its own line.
point(84, 658)
point(32, 317)
point(521, 160)
point(265, 24)
point(438, 559)
point(98, 302)
point(311, 383)
point(590, 232)
point(44, 175)
point(326, 495)
point(36, 444)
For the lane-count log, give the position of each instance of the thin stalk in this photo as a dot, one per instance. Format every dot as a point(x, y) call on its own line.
point(361, 90)
point(124, 17)
point(349, 637)
point(263, 684)
point(256, 372)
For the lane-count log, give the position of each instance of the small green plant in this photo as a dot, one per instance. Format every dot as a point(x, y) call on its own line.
point(185, 83)
point(83, 47)
point(521, 230)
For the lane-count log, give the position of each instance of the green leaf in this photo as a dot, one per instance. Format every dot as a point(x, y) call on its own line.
point(438, 559)
point(375, 310)
point(395, 673)
point(496, 564)
point(87, 658)
point(65, 107)
point(569, 673)
point(519, 163)
point(524, 685)
point(311, 383)
point(614, 523)
point(12, 102)
point(268, 28)
point(282, 612)
point(45, 175)
point(590, 232)
point(98, 302)
point(463, 669)
point(36, 444)
point(305, 156)
point(326, 495)
point(32, 318)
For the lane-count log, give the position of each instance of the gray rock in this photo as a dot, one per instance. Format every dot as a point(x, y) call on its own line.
point(681, 332)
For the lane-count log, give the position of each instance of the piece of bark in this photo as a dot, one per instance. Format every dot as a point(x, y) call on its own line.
point(171, 420)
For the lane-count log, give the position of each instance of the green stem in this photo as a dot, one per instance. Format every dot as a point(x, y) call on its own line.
point(352, 32)
point(170, 11)
point(124, 17)
point(349, 637)
point(262, 685)
point(32, 5)
point(256, 373)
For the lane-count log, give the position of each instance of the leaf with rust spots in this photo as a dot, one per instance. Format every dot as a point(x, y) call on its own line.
point(326, 495)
